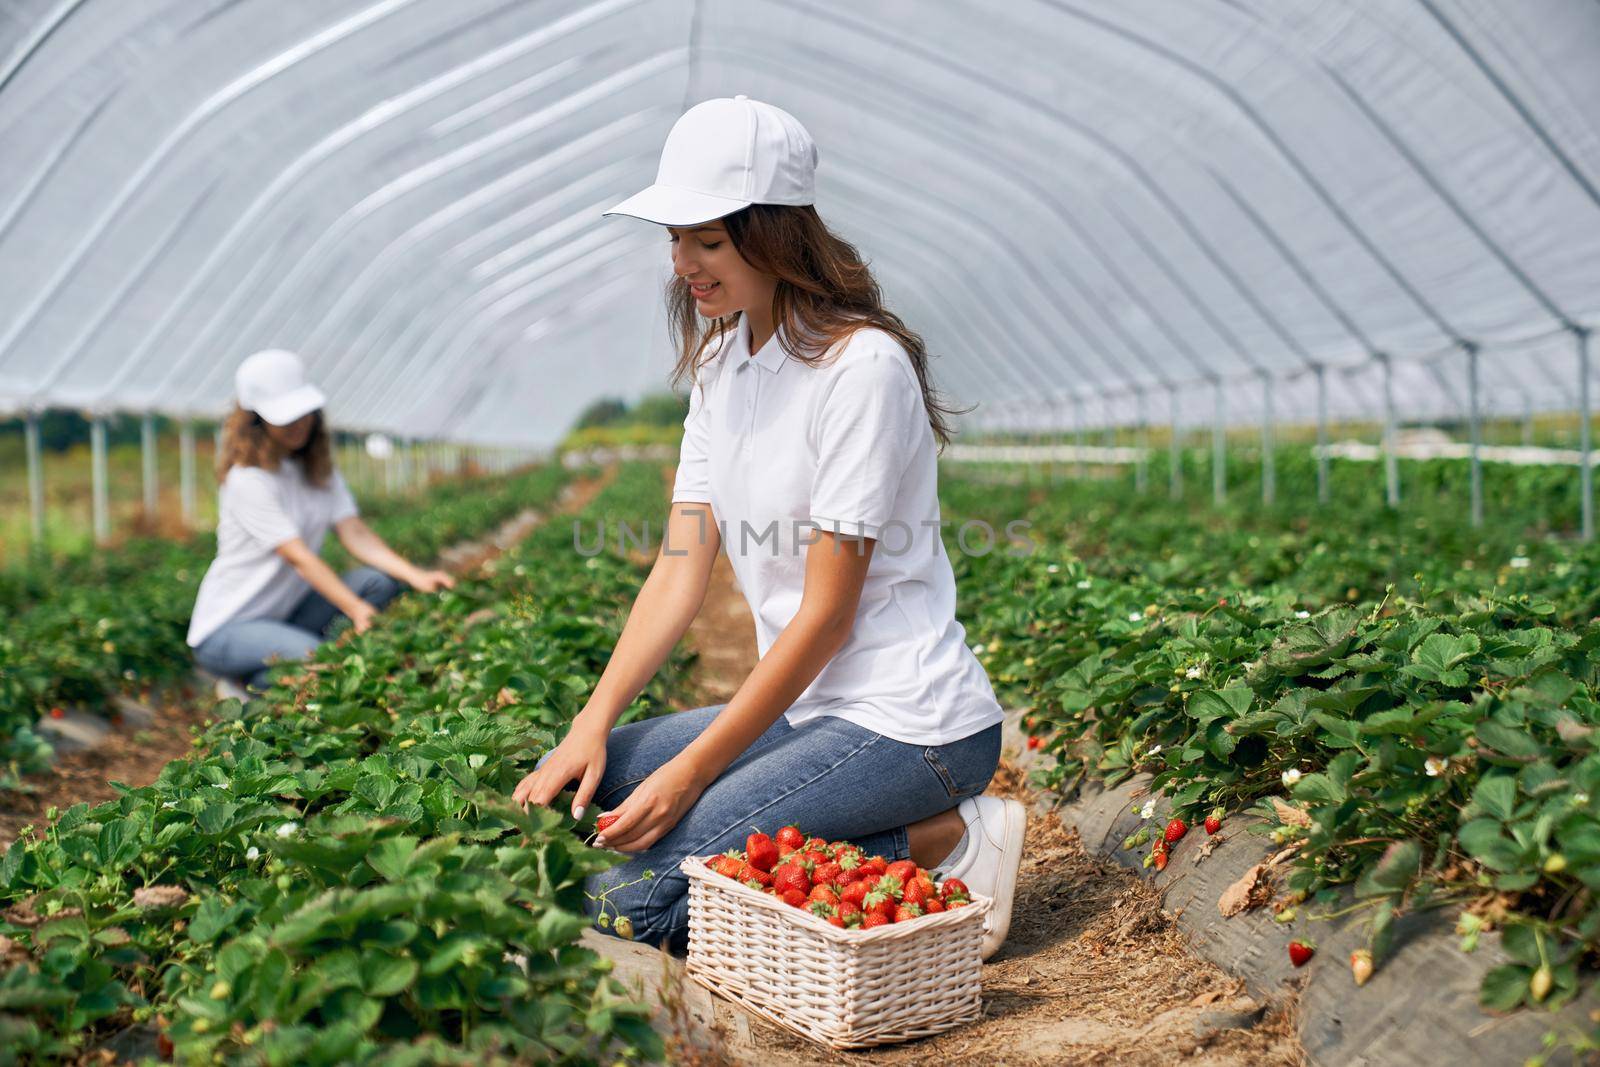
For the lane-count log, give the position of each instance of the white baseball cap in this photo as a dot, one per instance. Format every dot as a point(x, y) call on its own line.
point(273, 385)
point(724, 155)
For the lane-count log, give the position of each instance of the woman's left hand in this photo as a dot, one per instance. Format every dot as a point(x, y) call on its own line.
point(432, 581)
point(653, 809)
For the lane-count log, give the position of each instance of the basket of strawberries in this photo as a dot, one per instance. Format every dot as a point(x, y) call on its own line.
point(845, 949)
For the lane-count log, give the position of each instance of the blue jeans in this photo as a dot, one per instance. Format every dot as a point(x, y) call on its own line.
point(246, 649)
point(830, 777)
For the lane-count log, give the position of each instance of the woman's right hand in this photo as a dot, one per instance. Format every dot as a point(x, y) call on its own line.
point(362, 616)
point(580, 756)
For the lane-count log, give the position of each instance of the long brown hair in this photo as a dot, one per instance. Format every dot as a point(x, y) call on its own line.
point(825, 293)
point(245, 444)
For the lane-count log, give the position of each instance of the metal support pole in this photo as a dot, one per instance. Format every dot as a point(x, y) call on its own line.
point(35, 478)
point(1174, 453)
point(97, 471)
point(1585, 467)
point(1141, 441)
point(1391, 462)
point(1527, 414)
point(1323, 463)
point(1269, 461)
point(1219, 448)
point(1077, 416)
point(147, 457)
point(186, 471)
point(1475, 427)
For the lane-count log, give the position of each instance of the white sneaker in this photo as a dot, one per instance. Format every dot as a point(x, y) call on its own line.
point(989, 865)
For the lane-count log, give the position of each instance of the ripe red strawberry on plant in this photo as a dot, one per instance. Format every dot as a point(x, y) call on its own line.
point(790, 838)
point(1214, 822)
point(1035, 742)
point(1300, 952)
point(1175, 831)
point(761, 851)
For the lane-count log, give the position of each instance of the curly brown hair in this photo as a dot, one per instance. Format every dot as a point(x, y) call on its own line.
point(245, 444)
point(825, 293)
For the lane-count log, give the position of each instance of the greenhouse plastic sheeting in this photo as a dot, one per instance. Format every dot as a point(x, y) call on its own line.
point(1091, 209)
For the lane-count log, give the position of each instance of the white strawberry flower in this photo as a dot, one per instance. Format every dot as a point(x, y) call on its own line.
point(1084, 583)
point(1149, 808)
point(1520, 563)
point(1135, 616)
point(1054, 568)
point(1291, 776)
point(1435, 766)
point(252, 853)
point(977, 650)
point(288, 829)
point(1302, 614)
point(1153, 750)
point(1194, 672)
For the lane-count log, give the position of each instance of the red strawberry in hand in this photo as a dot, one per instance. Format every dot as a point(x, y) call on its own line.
point(1300, 952)
point(763, 852)
point(605, 822)
point(790, 838)
point(1175, 831)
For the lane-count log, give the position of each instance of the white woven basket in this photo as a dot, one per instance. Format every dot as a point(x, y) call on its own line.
point(838, 987)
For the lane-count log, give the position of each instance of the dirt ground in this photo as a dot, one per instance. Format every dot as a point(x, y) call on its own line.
point(135, 757)
point(1093, 971)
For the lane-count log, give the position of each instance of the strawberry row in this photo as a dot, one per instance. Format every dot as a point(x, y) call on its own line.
point(125, 629)
point(336, 875)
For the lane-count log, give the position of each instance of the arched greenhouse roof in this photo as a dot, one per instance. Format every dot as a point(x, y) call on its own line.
point(1120, 207)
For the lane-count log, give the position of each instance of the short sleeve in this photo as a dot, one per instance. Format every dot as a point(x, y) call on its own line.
point(693, 480)
point(253, 502)
point(868, 429)
point(344, 503)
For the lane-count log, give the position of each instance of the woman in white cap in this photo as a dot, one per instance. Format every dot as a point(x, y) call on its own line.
point(809, 454)
point(269, 596)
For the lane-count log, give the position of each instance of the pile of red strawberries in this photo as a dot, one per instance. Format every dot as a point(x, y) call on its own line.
point(836, 882)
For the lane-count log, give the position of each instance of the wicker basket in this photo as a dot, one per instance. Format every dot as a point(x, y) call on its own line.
point(838, 987)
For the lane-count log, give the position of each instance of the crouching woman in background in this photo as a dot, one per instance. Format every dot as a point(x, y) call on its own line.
point(268, 595)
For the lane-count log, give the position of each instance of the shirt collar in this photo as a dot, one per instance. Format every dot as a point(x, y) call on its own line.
point(771, 358)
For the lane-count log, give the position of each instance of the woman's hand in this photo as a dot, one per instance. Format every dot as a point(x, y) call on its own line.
point(580, 756)
point(431, 581)
point(361, 616)
point(653, 809)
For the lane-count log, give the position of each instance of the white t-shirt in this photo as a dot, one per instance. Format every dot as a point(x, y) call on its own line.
point(781, 450)
point(258, 510)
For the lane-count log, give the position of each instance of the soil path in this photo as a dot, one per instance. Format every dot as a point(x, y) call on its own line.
point(135, 757)
point(1093, 971)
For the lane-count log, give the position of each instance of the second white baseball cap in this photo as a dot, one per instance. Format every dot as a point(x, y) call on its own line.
point(724, 155)
point(273, 385)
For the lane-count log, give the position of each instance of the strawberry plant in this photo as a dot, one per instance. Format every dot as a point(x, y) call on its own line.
point(336, 875)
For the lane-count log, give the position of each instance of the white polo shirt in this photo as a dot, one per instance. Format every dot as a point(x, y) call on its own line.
point(780, 450)
point(258, 510)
